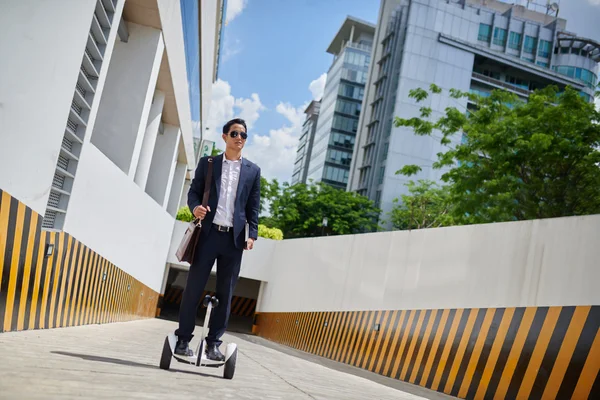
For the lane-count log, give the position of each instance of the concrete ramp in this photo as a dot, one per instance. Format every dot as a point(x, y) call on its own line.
point(120, 360)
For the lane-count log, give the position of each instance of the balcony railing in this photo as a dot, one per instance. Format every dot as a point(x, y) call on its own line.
point(500, 83)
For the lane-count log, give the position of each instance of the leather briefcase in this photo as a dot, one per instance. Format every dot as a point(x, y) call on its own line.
point(187, 247)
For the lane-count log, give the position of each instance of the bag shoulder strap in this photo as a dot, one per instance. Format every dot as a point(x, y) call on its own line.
point(207, 182)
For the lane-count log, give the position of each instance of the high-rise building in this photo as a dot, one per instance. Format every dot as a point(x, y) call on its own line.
point(306, 141)
point(341, 103)
point(470, 45)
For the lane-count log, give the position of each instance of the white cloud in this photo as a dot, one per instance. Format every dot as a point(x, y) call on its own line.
point(234, 8)
point(317, 87)
point(230, 48)
point(594, 2)
point(224, 106)
point(275, 153)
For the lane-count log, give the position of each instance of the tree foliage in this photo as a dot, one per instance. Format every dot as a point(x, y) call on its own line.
point(516, 160)
point(299, 210)
point(426, 206)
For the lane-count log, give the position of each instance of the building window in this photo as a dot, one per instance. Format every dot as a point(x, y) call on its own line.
point(351, 91)
point(544, 49)
point(339, 157)
point(515, 41)
point(386, 147)
point(528, 59)
point(584, 75)
point(500, 36)
point(348, 107)
point(485, 33)
point(377, 198)
point(335, 174)
point(345, 123)
point(381, 175)
point(530, 43)
point(341, 140)
point(542, 64)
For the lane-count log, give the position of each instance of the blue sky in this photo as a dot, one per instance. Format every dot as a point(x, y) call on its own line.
point(271, 52)
point(273, 62)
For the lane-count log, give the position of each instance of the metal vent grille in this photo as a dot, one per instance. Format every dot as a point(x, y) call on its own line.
point(63, 162)
point(87, 74)
point(95, 39)
point(54, 199)
point(76, 107)
point(67, 144)
point(72, 125)
point(48, 222)
point(80, 89)
point(58, 181)
point(90, 55)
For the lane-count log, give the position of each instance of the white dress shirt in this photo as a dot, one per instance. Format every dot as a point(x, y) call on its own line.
point(230, 177)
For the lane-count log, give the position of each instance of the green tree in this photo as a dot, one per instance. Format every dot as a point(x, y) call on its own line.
point(426, 206)
point(268, 191)
point(516, 160)
point(299, 211)
point(216, 151)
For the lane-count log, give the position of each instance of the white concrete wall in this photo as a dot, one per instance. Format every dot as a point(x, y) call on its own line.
point(172, 28)
point(37, 82)
point(154, 118)
point(532, 263)
point(163, 164)
point(208, 49)
point(176, 188)
point(125, 105)
point(115, 217)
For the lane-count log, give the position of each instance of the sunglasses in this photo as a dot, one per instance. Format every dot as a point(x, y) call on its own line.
point(235, 134)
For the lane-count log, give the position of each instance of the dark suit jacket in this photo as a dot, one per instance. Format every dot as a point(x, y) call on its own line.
point(247, 201)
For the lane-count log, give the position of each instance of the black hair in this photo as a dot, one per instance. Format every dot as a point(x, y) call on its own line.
point(239, 121)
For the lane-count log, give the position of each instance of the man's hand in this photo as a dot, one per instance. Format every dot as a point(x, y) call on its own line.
point(249, 244)
point(200, 212)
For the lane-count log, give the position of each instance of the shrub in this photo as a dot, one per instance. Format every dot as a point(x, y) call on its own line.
point(270, 233)
point(184, 214)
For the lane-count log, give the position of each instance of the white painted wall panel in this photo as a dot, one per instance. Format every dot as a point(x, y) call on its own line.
point(125, 104)
point(172, 28)
point(41, 47)
point(115, 217)
point(532, 263)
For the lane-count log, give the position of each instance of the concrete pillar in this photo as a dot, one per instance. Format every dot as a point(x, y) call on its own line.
point(149, 140)
point(125, 104)
point(186, 189)
point(176, 188)
point(351, 34)
point(164, 161)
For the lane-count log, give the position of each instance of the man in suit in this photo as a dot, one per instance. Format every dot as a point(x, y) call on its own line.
point(233, 201)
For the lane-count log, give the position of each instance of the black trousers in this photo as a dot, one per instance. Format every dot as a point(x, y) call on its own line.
point(217, 246)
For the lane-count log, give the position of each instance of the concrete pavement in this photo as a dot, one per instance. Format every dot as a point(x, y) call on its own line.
point(120, 360)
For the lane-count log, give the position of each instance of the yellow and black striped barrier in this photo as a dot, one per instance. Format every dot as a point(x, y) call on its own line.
point(487, 353)
point(240, 306)
point(50, 279)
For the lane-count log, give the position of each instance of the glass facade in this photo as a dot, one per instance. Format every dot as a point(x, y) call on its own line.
point(338, 121)
point(529, 45)
point(189, 19)
point(515, 41)
point(485, 33)
point(582, 74)
point(499, 36)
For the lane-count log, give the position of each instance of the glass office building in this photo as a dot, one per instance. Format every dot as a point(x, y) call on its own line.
point(341, 105)
point(470, 45)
